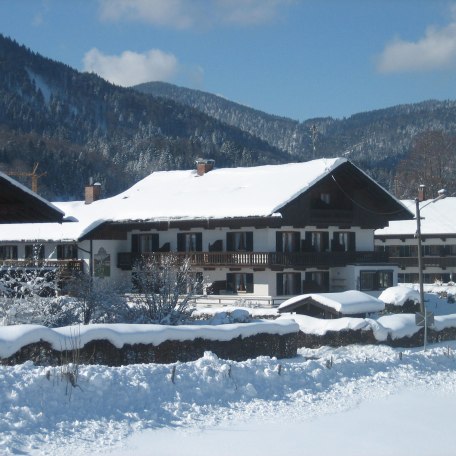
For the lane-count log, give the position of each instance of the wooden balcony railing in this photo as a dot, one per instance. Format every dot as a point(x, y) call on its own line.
point(428, 261)
point(126, 260)
point(61, 265)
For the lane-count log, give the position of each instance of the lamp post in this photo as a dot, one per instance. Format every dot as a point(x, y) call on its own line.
point(442, 194)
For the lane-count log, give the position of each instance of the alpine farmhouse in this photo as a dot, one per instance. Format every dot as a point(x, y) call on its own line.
point(261, 233)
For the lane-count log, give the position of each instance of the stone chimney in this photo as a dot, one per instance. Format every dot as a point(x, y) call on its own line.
point(204, 165)
point(421, 193)
point(92, 192)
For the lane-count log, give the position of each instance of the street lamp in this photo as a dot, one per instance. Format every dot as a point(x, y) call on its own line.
point(442, 194)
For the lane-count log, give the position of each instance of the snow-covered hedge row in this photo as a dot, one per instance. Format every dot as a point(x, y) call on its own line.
point(117, 344)
point(396, 330)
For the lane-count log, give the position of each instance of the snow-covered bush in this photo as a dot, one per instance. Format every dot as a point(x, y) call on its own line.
point(20, 282)
point(99, 300)
point(164, 286)
point(236, 316)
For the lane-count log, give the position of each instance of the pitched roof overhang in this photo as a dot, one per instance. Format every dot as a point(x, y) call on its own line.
point(18, 204)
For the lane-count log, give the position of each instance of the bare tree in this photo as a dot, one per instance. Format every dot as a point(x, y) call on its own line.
point(165, 284)
point(430, 161)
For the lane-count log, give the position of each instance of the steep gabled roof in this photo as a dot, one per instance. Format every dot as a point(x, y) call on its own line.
point(18, 204)
point(227, 193)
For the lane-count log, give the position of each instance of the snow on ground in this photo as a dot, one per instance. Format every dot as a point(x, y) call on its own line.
point(352, 400)
point(268, 404)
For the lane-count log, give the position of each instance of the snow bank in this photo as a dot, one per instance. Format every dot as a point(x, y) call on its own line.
point(397, 296)
point(13, 338)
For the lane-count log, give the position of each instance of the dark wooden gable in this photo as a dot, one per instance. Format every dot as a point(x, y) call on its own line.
point(17, 205)
point(345, 197)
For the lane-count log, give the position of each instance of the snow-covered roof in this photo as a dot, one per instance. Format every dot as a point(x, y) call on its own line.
point(258, 191)
point(347, 302)
point(221, 193)
point(437, 218)
point(399, 295)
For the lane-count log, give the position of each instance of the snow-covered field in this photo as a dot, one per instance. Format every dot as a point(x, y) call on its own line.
point(353, 400)
point(369, 399)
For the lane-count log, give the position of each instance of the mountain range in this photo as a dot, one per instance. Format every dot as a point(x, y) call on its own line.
point(78, 126)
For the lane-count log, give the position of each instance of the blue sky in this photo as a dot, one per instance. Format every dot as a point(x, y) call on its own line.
point(294, 58)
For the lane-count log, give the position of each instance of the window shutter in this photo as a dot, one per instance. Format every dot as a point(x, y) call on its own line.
point(199, 242)
point(14, 252)
point(324, 241)
point(135, 243)
point(351, 242)
point(60, 252)
point(279, 280)
point(180, 242)
point(229, 242)
point(230, 286)
point(297, 284)
point(279, 241)
point(296, 241)
point(249, 283)
point(249, 241)
point(155, 242)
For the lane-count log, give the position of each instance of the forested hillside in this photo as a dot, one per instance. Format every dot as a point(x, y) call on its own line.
point(377, 141)
point(76, 125)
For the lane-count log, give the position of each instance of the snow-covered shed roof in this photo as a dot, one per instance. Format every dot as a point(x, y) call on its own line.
point(437, 218)
point(350, 302)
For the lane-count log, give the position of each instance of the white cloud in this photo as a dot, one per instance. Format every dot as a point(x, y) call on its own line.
point(130, 68)
point(183, 14)
point(436, 50)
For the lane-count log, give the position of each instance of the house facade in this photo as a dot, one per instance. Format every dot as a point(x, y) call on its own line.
point(261, 233)
point(438, 238)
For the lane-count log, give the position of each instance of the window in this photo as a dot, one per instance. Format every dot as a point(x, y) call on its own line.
point(316, 241)
point(8, 252)
point(144, 243)
point(189, 242)
point(239, 241)
point(408, 251)
point(288, 283)
point(375, 280)
point(288, 241)
point(343, 241)
point(67, 252)
point(432, 250)
point(316, 281)
point(239, 282)
point(34, 252)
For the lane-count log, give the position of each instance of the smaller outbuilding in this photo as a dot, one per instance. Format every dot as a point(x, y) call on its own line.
point(350, 303)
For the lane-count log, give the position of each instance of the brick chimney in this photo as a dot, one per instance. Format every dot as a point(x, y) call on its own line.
point(421, 193)
point(204, 165)
point(92, 192)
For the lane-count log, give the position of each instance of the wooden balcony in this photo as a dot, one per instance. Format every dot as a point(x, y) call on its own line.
point(61, 265)
point(441, 262)
point(271, 260)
